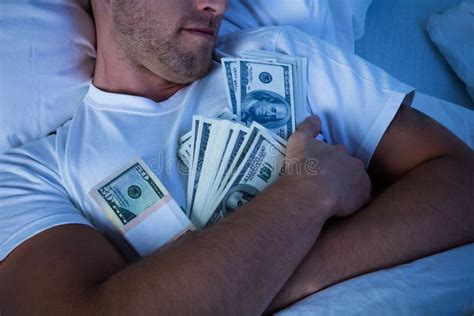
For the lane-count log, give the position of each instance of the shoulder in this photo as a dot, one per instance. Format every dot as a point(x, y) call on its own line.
point(32, 196)
point(39, 156)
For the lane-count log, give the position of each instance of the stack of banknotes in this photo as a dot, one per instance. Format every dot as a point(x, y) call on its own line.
point(231, 162)
point(231, 158)
point(139, 206)
point(268, 88)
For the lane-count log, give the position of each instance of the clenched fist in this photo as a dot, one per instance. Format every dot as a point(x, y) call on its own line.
point(326, 172)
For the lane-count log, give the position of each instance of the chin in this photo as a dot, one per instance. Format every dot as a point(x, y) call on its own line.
point(182, 66)
point(193, 72)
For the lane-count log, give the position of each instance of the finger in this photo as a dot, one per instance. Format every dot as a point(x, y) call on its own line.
point(360, 163)
point(310, 127)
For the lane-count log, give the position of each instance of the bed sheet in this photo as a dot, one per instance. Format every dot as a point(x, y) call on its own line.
point(456, 118)
point(34, 123)
point(46, 61)
point(396, 39)
point(338, 22)
point(442, 284)
point(453, 34)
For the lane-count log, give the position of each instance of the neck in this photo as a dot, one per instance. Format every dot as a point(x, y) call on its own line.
point(114, 74)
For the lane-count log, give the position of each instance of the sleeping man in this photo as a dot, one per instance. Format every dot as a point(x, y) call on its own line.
point(61, 255)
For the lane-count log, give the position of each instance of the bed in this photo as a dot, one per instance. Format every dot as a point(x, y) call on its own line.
point(47, 60)
point(396, 39)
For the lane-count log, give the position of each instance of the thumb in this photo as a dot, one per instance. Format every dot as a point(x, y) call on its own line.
point(310, 127)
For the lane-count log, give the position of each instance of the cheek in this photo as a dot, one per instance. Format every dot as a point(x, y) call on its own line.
point(170, 11)
point(162, 13)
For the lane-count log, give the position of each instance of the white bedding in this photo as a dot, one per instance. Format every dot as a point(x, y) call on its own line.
point(396, 40)
point(453, 34)
point(47, 52)
point(339, 22)
point(442, 284)
point(46, 61)
point(47, 57)
point(457, 119)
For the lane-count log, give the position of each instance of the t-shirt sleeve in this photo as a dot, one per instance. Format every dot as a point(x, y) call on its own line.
point(32, 198)
point(355, 100)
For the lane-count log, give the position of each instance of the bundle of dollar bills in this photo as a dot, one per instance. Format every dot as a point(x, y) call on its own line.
point(268, 88)
point(231, 162)
point(230, 158)
point(140, 207)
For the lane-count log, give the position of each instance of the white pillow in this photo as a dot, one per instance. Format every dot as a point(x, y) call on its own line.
point(47, 52)
point(46, 59)
point(339, 22)
point(453, 33)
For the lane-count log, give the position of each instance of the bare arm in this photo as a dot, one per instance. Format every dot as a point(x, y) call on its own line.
point(427, 208)
point(75, 270)
point(236, 266)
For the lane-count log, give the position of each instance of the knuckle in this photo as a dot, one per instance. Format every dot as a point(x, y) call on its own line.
point(297, 137)
point(315, 120)
point(341, 148)
point(359, 163)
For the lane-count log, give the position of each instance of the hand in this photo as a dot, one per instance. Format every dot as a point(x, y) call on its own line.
point(328, 171)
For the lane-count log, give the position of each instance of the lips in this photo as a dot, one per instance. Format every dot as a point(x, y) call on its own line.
point(204, 31)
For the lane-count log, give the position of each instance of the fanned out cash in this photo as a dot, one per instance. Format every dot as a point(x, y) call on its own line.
point(229, 164)
point(231, 158)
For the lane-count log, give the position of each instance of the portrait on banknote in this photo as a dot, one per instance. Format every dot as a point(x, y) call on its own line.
point(267, 108)
point(237, 197)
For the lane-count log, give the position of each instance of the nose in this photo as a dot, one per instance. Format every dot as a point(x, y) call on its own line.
point(216, 7)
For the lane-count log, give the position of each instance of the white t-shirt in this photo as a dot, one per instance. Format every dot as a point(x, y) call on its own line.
point(46, 183)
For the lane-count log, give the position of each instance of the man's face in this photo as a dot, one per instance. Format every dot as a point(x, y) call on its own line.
point(174, 39)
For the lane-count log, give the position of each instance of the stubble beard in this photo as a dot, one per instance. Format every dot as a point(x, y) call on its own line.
point(182, 66)
point(147, 43)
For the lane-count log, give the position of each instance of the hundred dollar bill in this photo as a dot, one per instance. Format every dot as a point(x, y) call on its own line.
point(239, 151)
point(140, 207)
point(184, 155)
point(185, 140)
point(262, 165)
point(232, 74)
point(185, 143)
point(218, 145)
point(185, 147)
point(202, 131)
point(299, 65)
point(238, 135)
point(218, 151)
point(264, 93)
point(219, 138)
point(267, 96)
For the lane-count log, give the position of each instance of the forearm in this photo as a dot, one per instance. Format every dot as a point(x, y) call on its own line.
point(237, 266)
point(427, 211)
